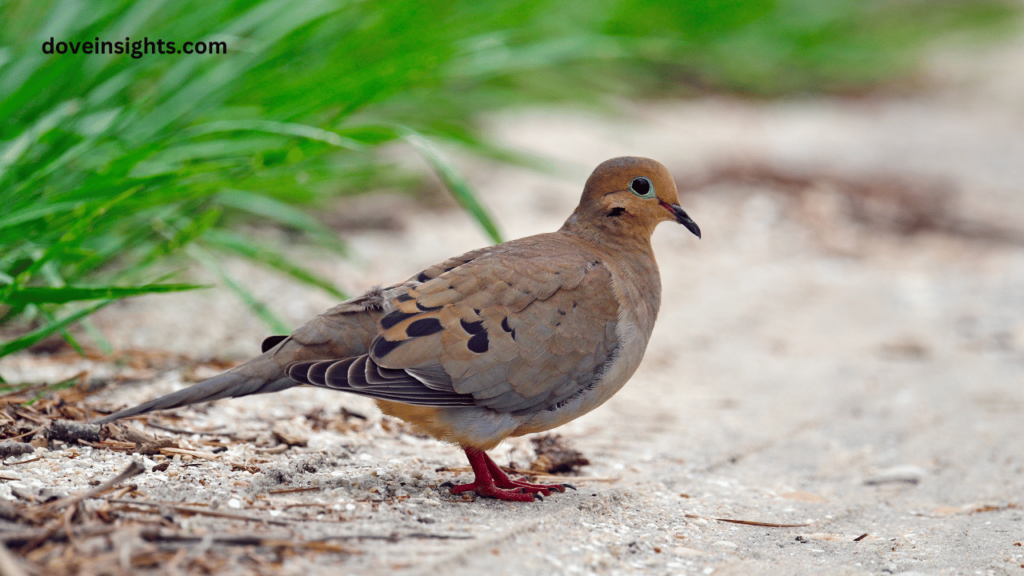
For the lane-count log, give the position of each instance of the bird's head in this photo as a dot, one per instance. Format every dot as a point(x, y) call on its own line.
point(630, 195)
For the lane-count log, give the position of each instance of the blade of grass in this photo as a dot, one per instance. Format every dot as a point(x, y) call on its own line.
point(38, 334)
point(453, 180)
point(14, 218)
point(45, 387)
point(250, 249)
point(63, 295)
point(19, 145)
point(281, 213)
point(258, 308)
point(71, 237)
point(280, 128)
point(270, 21)
point(101, 341)
point(184, 236)
point(65, 334)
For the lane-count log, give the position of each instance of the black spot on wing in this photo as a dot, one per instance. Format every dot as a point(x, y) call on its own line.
point(424, 327)
point(394, 318)
point(427, 308)
point(478, 343)
point(404, 298)
point(271, 341)
point(422, 277)
point(383, 347)
point(507, 328)
point(472, 327)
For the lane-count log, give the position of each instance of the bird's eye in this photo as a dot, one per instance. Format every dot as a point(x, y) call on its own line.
point(642, 187)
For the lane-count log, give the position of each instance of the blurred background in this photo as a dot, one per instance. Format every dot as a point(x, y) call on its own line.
point(122, 176)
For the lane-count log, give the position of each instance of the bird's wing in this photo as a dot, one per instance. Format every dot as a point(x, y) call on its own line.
point(519, 328)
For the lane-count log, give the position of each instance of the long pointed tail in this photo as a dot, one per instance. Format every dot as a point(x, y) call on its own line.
point(343, 331)
point(258, 376)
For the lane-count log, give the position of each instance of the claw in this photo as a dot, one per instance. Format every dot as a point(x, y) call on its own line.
point(446, 485)
point(492, 482)
point(569, 486)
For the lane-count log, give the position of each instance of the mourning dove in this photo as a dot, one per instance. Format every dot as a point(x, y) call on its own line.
point(503, 341)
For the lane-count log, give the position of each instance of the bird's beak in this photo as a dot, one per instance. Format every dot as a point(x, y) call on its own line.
point(683, 218)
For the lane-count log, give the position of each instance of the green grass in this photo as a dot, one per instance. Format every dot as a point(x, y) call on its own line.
point(119, 174)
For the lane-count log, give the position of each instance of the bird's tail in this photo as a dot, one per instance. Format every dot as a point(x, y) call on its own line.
point(261, 375)
point(343, 331)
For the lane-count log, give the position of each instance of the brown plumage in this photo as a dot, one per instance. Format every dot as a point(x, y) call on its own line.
point(503, 341)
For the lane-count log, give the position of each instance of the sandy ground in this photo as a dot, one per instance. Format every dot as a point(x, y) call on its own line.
point(843, 349)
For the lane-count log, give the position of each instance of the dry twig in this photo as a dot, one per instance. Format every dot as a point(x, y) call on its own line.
point(8, 449)
point(205, 512)
point(133, 469)
point(749, 522)
point(73, 431)
point(279, 540)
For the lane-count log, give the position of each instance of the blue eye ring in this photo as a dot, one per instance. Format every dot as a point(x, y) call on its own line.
point(642, 187)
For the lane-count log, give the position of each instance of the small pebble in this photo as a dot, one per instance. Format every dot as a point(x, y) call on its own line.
point(725, 545)
point(908, 474)
point(235, 503)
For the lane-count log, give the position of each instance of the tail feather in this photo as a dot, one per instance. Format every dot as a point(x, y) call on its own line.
point(343, 331)
point(231, 384)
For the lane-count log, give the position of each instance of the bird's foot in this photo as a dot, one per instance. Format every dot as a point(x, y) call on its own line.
point(543, 489)
point(501, 480)
point(490, 490)
point(492, 482)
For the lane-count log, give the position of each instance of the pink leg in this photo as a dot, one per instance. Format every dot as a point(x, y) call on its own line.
point(492, 482)
point(503, 481)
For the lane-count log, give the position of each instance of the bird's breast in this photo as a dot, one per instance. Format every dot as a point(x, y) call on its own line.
point(638, 309)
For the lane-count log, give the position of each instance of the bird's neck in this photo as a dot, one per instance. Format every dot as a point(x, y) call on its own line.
point(630, 257)
point(619, 237)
